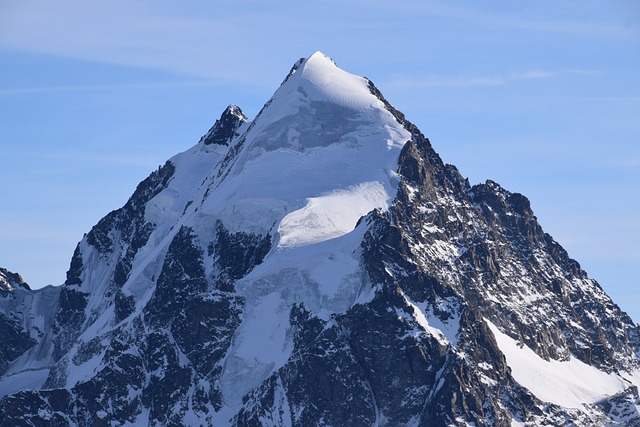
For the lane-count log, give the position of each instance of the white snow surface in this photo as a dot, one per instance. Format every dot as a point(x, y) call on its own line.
point(320, 155)
point(330, 215)
point(23, 380)
point(444, 332)
point(570, 384)
point(327, 82)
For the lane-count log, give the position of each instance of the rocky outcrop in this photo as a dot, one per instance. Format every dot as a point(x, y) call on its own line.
point(187, 307)
point(10, 281)
point(225, 127)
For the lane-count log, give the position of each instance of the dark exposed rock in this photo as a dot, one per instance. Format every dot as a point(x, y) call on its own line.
point(225, 127)
point(15, 341)
point(69, 318)
point(323, 381)
point(412, 346)
point(47, 408)
point(128, 225)
point(623, 407)
point(293, 70)
point(237, 254)
point(10, 281)
point(75, 268)
point(201, 322)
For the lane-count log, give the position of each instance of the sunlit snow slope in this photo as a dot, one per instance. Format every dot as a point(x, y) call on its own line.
point(320, 155)
point(319, 265)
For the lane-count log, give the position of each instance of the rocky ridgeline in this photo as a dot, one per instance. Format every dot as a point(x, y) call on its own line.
point(152, 324)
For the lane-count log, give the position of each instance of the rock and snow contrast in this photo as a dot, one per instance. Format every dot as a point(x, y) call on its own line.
point(319, 265)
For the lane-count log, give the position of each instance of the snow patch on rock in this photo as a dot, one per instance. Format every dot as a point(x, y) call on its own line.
point(570, 384)
point(331, 215)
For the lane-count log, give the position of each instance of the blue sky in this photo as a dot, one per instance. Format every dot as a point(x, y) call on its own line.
point(542, 97)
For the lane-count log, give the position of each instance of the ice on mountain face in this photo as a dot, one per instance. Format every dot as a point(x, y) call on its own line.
point(331, 215)
point(319, 156)
point(321, 105)
point(326, 277)
point(260, 345)
point(34, 310)
point(324, 159)
point(24, 380)
point(242, 286)
point(569, 384)
point(323, 133)
point(319, 79)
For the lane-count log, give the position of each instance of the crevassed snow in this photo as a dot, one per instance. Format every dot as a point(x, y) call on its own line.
point(260, 345)
point(570, 384)
point(331, 215)
point(35, 309)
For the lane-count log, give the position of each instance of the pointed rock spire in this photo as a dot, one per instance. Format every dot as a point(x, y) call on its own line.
point(225, 127)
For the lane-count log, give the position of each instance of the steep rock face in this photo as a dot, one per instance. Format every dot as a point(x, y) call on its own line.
point(485, 243)
point(114, 241)
point(16, 339)
point(225, 127)
point(25, 318)
point(320, 265)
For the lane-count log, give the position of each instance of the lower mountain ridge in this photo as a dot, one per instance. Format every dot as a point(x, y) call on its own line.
point(317, 266)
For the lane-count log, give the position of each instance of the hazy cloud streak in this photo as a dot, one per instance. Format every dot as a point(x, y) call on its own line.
point(438, 81)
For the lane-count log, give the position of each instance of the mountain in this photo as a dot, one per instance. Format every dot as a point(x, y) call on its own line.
point(319, 265)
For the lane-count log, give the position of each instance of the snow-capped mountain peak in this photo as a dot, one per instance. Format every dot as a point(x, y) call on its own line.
point(319, 79)
point(320, 155)
point(319, 265)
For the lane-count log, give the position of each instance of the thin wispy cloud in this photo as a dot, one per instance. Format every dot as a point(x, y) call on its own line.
point(135, 34)
point(531, 75)
point(628, 163)
point(541, 21)
point(70, 159)
point(438, 81)
point(108, 87)
point(216, 42)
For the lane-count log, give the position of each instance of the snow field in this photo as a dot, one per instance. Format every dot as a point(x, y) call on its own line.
point(331, 215)
point(569, 384)
point(310, 190)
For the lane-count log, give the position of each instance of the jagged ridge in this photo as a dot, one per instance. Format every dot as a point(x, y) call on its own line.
point(319, 265)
